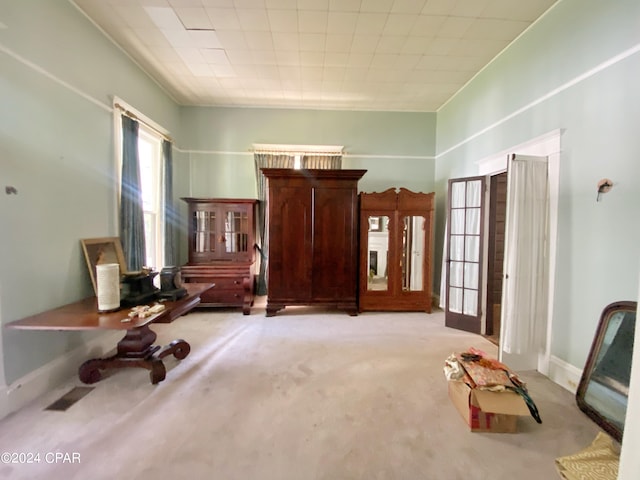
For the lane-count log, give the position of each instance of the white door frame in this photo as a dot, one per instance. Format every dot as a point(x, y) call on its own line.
point(547, 145)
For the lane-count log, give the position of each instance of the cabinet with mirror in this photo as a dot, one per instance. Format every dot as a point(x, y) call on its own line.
point(396, 235)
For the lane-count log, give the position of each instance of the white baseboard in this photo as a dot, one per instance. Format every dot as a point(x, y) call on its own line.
point(49, 376)
point(564, 374)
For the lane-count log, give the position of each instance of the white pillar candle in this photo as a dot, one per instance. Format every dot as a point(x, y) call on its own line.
point(108, 286)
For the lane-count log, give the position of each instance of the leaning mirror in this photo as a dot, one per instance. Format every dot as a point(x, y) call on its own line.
point(604, 387)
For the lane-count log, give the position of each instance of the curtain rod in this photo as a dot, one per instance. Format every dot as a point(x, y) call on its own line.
point(297, 149)
point(133, 116)
point(302, 153)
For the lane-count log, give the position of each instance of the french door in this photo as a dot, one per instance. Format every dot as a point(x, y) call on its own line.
point(464, 246)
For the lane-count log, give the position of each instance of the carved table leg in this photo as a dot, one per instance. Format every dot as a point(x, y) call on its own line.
point(136, 349)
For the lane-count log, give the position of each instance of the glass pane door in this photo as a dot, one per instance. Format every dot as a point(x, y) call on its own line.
point(464, 248)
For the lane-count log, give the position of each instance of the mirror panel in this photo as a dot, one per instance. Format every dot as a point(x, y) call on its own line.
point(604, 387)
point(413, 241)
point(378, 248)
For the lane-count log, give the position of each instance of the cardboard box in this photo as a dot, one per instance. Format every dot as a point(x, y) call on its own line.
point(486, 411)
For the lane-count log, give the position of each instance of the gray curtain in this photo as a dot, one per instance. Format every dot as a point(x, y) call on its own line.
point(266, 160)
point(333, 162)
point(131, 211)
point(171, 219)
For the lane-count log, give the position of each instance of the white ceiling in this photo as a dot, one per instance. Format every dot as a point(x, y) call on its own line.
point(386, 55)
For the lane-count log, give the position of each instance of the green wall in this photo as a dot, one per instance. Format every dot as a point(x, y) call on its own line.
point(397, 149)
point(576, 70)
point(57, 78)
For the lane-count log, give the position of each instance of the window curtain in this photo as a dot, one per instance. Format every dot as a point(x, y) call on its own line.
point(131, 211)
point(171, 219)
point(525, 287)
point(266, 160)
point(333, 162)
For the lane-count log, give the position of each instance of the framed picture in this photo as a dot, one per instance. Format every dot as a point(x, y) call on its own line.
point(375, 225)
point(102, 250)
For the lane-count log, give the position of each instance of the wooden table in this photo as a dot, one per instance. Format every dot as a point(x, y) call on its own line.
point(136, 349)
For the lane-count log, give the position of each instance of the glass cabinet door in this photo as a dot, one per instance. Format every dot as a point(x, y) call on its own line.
point(204, 229)
point(236, 231)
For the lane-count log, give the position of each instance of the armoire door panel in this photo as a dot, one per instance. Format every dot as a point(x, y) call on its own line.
point(289, 260)
point(334, 262)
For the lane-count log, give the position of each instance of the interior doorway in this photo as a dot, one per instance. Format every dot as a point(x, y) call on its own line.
point(495, 257)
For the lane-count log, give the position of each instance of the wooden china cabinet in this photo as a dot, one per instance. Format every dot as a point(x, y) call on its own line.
point(396, 243)
point(313, 238)
point(221, 238)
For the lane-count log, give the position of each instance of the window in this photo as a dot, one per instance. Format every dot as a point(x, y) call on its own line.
point(151, 177)
point(150, 158)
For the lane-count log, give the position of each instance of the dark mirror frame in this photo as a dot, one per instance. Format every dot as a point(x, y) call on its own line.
point(592, 363)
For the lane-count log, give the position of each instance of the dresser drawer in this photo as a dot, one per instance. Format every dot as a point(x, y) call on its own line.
point(223, 297)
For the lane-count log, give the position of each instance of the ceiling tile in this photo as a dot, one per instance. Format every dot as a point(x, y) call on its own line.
point(253, 19)
point(399, 24)
point(282, 4)
point(342, 22)
point(215, 56)
point(365, 43)
point(312, 42)
point(338, 42)
point(455, 27)
point(312, 21)
point(232, 39)
point(283, 20)
point(194, 18)
point(223, 18)
point(286, 42)
point(358, 54)
point(240, 57)
point(428, 25)
point(391, 44)
point(335, 59)
point(380, 6)
point(344, 5)
point(371, 23)
point(313, 5)
point(259, 40)
point(164, 18)
point(408, 6)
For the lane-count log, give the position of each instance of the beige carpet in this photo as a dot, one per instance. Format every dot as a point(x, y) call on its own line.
point(302, 395)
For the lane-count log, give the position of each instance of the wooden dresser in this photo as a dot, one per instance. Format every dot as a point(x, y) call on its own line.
point(313, 238)
point(222, 250)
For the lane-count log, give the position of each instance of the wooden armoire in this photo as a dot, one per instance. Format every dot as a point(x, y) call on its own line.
point(312, 217)
point(396, 244)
